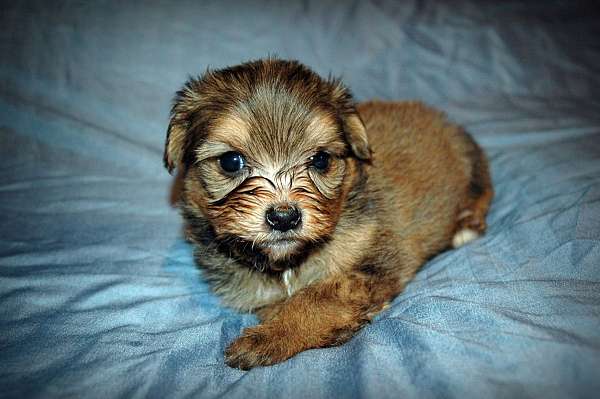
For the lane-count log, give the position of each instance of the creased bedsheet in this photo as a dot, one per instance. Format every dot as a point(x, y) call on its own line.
point(99, 295)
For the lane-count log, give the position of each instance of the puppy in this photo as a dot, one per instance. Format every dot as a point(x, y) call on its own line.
point(310, 210)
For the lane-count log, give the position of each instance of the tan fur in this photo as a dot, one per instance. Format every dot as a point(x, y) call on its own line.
point(401, 182)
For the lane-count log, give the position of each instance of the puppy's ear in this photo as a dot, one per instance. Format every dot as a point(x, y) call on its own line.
point(356, 136)
point(354, 128)
point(185, 104)
point(174, 144)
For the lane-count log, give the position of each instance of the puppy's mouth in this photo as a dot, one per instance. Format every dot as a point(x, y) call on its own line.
point(280, 248)
point(281, 243)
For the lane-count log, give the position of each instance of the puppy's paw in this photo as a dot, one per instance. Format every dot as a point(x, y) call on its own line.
point(257, 346)
point(463, 237)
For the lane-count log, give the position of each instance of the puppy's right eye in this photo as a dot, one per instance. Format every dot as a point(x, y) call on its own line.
point(232, 161)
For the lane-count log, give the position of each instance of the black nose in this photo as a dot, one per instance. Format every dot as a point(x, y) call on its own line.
point(283, 217)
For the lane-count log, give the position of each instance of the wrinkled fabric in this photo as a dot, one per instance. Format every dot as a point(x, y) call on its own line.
point(99, 294)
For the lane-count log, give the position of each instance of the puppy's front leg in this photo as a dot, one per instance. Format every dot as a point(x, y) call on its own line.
point(324, 314)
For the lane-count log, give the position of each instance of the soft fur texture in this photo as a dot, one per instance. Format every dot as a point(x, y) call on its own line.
point(402, 185)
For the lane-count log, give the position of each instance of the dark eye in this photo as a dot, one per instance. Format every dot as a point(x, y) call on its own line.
point(232, 162)
point(320, 161)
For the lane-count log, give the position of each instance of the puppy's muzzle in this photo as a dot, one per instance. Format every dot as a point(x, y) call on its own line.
point(283, 217)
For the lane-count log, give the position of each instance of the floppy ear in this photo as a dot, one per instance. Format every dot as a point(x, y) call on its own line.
point(355, 132)
point(174, 144)
point(356, 136)
point(186, 103)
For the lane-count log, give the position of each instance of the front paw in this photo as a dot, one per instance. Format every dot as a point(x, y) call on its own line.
point(258, 346)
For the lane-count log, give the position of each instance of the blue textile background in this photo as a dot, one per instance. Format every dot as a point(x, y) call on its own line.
point(99, 295)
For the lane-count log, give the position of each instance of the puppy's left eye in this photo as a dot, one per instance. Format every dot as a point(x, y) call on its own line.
point(320, 161)
point(232, 161)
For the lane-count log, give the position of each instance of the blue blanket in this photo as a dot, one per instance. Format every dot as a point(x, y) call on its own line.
point(100, 297)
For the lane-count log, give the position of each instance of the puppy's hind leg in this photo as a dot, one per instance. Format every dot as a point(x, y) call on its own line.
point(470, 222)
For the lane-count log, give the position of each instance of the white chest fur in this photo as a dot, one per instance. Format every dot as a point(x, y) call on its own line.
point(286, 277)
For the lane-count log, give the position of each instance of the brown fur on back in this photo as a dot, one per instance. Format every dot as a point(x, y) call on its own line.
point(421, 166)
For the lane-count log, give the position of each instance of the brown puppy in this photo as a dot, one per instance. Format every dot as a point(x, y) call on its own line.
point(309, 210)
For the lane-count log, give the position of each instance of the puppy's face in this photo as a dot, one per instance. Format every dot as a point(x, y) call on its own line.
point(267, 149)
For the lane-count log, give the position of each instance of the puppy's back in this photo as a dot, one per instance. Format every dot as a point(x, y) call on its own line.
point(422, 167)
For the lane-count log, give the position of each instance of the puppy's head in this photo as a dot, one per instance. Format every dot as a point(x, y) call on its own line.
point(268, 150)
